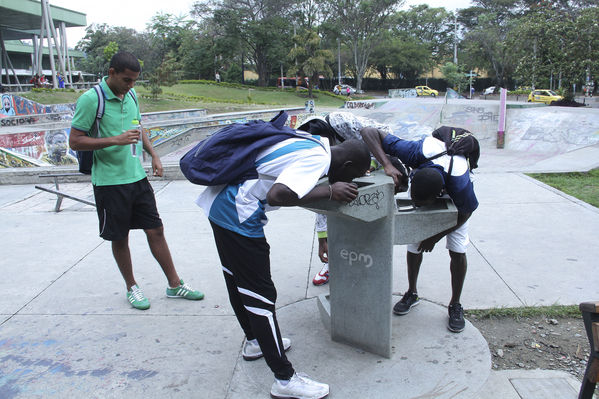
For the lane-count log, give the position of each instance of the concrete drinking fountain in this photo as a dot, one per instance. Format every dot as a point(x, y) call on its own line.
point(361, 235)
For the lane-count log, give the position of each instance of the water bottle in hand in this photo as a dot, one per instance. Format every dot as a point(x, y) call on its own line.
point(135, 152)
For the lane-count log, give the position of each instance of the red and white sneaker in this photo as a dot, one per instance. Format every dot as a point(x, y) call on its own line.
point(323, 275)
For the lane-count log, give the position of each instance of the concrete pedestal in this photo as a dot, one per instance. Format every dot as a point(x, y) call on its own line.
point(361, 236)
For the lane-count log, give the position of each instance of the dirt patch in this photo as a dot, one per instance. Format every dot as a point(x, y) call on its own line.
point(567, 103)
point(536, 343)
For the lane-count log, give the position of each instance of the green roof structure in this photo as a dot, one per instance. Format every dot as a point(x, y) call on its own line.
point(26, 20)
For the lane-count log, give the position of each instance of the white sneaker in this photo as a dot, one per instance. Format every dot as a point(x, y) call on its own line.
point(323, 276)
point(299, 387)
point(252, 351)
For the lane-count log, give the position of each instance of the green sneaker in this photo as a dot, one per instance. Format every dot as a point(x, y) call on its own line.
point(184, 291)
point(137, 299)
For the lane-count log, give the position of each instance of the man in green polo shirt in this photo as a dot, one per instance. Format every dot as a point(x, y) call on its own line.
point(124, 197)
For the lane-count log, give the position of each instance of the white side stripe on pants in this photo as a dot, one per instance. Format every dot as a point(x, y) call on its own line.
point(268, 314)
point(254, 295)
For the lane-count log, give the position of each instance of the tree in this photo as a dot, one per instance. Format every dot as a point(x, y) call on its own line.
point(254, 24)
point(111, 49)
point(98, 37)
point(432, 28)
point(403, 56)
point(168, 32)
point(360, 24)
point(455, 77)
point(311, 59)
point(485, 43)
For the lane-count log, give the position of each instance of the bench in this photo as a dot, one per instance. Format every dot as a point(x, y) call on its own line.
point(590, 315)
point(60, 195)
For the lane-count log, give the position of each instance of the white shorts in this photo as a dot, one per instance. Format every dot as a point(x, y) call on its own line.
point(457, 241)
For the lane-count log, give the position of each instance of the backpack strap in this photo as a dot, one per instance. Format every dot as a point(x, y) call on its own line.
point(438, 156)
point(95, 131)
point(133, 96)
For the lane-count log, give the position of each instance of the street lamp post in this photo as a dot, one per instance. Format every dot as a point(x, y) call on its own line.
point(339, 59)
point(455, 39)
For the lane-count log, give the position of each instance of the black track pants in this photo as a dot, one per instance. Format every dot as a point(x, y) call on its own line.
point(252, 293)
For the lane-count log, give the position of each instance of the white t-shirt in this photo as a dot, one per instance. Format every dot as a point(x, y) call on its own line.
point(348, 125)
point(297, 163)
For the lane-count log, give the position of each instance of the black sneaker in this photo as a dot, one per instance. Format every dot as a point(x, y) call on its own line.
point(456, 322)
point(406, 303)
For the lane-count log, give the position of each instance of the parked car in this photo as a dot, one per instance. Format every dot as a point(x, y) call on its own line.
point(342, 89)
point(426, 91)
point(489, 90)
point(543, 96)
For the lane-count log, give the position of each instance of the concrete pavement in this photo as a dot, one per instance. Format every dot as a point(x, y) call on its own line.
point(66, 329)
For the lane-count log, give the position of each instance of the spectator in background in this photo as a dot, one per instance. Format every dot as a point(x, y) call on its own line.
point(35, 81)
point(60, 81)
point(217, 77)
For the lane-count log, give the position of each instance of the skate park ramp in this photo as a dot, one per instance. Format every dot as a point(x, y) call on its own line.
point(537, 137)
point(34, 135)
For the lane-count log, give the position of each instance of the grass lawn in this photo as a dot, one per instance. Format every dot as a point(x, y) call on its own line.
point(212, 97)
point(48, 97)
point(582, 185)
point(250, 95)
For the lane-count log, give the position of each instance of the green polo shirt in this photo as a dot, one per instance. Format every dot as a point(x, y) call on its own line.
point(115, 164)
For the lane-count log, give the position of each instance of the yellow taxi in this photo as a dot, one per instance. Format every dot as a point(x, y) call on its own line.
point(426, 91)
point(543, 96)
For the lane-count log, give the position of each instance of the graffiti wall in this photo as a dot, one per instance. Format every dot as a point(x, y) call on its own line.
point(36, 131)
point(151, 117)
point(403, 93)
point(159, 134)
point(13, 105)
point(9, 159)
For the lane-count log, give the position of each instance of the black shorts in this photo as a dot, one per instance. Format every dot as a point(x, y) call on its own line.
point(124, 207)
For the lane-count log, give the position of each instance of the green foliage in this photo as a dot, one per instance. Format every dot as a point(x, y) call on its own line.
point(50, 90)
point(98, 37)
point(164, 75)
point(544, 43)
point(311, 59)
point(403, 57)
point(215, 98)
point(260, 30)
point(519, 92)
point(233, 74)
point(360, 25)
point(111, 49)
point(454, 75)
point(430, 28)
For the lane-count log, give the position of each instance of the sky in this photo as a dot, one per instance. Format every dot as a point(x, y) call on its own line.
point(137, 13)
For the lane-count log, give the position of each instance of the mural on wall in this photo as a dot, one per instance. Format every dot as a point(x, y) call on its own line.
point(13, 105)
point(57, 148)
point(9, 159)
point(8, 108)
point(30, 144)
point(46, 146)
